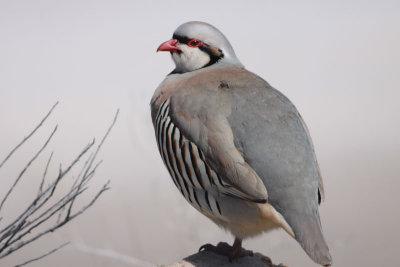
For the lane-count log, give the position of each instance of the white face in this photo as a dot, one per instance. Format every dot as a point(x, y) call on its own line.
point(190, 58)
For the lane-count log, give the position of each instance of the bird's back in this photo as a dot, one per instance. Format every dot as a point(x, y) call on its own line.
point(274, 141)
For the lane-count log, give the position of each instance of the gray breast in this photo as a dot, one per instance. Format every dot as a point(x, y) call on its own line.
point(196, 181)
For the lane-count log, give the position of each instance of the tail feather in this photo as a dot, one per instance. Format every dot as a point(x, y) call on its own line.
point(308, 232)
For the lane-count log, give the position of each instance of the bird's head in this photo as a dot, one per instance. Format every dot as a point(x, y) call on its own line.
point(195, 45)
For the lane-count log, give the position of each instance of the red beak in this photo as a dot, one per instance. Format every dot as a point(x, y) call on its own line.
point(169, 46)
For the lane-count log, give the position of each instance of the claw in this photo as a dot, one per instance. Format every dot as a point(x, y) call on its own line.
point(205, 247)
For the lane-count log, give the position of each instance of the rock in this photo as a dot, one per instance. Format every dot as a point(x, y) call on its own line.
point(210, 259)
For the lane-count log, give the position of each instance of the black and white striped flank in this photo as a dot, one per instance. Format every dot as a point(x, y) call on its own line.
point(196, 181)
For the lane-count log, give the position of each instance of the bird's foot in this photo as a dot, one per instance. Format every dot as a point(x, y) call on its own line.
point(232, 252)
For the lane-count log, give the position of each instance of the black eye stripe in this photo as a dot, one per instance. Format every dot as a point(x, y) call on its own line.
point(181, 39)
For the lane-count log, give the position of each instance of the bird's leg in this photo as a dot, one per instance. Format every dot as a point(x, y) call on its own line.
point(232, 252)
point(238, 251)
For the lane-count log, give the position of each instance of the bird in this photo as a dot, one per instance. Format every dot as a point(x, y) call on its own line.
point(236, 148)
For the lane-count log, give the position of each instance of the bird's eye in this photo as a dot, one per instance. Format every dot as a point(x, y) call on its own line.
point(194, 43)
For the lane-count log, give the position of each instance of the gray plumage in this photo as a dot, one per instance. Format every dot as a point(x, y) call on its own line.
point(249, 134)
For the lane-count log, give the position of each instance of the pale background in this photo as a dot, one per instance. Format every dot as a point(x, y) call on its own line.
point(338, 61)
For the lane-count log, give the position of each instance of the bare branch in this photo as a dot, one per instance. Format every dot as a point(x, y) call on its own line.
point(83, 182)
point(54, 227)
point(41, 199)
point(44, 255)
point(37, 203)
point(26, 167)
point(29, 135)
point(23, 230)
point(16, 229)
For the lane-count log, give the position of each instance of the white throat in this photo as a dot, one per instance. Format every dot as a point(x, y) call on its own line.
point(189, 59)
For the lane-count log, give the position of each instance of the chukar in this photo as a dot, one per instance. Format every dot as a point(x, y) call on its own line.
point(236, 148)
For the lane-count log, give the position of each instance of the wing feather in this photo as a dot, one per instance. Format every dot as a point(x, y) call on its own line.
point(206, 126)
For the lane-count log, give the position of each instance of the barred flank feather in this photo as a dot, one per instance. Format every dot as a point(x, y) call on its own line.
point(186, 165)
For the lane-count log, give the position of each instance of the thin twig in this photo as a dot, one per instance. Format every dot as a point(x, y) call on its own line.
point(86, 164)
point(26, 167)
point(44, 255)
point(44, 174)
point(29, 135)
point(101, 142)
point(83, 182)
